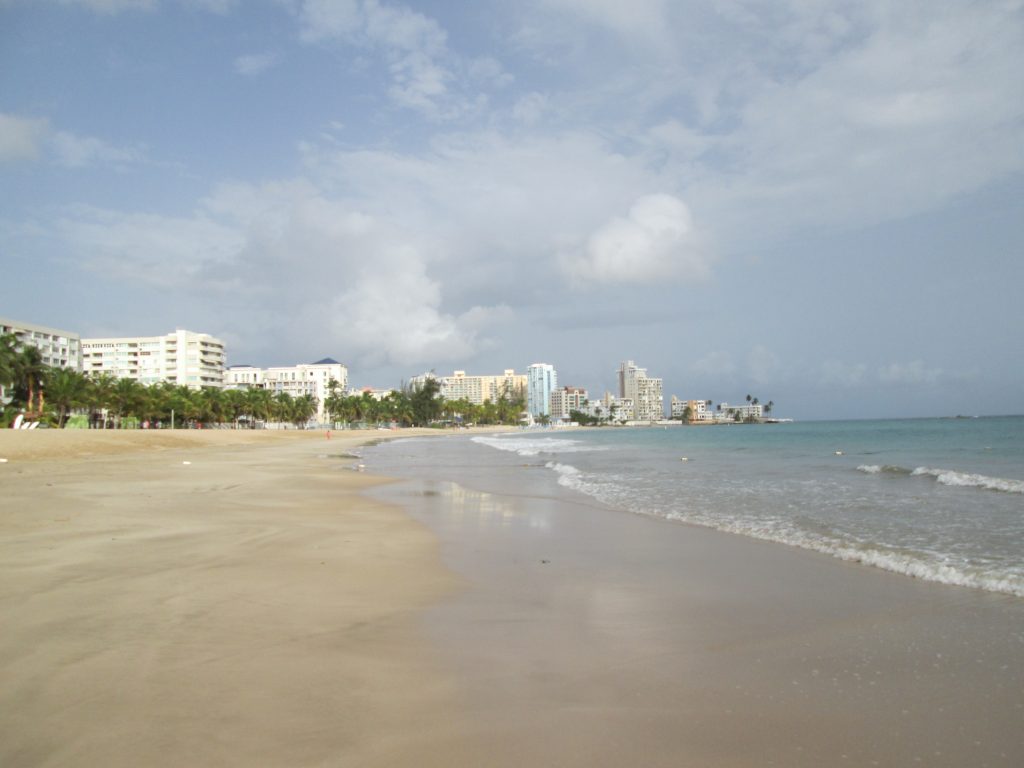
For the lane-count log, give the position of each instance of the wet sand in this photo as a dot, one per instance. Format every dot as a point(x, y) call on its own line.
point(592, 637)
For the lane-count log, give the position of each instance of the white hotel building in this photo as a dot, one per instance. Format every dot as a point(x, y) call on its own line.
point(566, 400)
point(476, 389)
point(312, 379)
point(59, 349)
point(643, 390)
point(185, 358)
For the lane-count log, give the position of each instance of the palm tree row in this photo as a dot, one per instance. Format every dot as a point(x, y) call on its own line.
point(53, 395)
point(418, 407)
point(108, 401)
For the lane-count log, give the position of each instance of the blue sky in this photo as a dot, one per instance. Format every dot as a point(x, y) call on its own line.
point(819, 203)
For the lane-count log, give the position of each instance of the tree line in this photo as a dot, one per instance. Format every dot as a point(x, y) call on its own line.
point(420, 406)
point(53, 395)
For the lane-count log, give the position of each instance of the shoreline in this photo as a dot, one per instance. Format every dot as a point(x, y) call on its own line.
point(614, 638)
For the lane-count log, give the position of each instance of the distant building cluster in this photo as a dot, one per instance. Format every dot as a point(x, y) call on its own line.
point(199, 360)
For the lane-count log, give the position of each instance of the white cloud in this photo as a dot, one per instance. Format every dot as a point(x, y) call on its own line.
point(23, 138)
point(255, 63)
point(20, 137)
point(893, 112)
point(654, 241)
point(414, 47)
point(392, 314)
point(73, 151)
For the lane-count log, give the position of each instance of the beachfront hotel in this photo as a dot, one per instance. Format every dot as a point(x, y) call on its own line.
point(313, 379)
point(565, 400)
point(476, 389)
point(182, 357)
point(698, 410)
point(59, 349)
point(541, 381)
point(643, 390)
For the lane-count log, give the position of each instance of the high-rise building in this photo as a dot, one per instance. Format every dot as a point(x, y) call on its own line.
point(565, 400)
point(541, 381)
point(59, 349)
point(191, 359)
point(643, 390)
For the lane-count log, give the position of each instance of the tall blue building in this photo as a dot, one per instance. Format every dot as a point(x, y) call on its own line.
point(541, 381)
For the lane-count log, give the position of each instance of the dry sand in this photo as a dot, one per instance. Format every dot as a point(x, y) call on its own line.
point(249, 607)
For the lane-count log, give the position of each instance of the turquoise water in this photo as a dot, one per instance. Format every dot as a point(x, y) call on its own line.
point(938, 499)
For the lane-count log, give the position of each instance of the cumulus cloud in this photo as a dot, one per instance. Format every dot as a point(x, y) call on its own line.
point(20, 137)
point(654, 241)
point(392, 314)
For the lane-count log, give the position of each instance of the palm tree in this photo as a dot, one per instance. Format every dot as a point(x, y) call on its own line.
point(400, 408)
point(304, 409)
point(28, 372)
point(281, 409)
point(234, 404)
point(8, 352)
point(101, 394)
point(258, 403)
point(66, 390)
point(127, 398)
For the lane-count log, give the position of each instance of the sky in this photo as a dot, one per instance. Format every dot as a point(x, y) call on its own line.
point(817, 203)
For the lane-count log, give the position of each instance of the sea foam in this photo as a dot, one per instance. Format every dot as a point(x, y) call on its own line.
point(919, 565)
point(533, 446)
point(971, 480)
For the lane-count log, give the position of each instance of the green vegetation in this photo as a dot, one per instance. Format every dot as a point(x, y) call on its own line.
point(420, 406)
point(108, 402)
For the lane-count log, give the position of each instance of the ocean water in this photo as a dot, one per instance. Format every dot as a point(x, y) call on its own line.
point(936, 499)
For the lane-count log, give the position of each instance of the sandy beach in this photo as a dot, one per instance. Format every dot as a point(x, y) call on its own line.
point(249, 607)
point(240, 598)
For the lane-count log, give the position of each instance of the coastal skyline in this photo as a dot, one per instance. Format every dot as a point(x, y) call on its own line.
point(820, 204)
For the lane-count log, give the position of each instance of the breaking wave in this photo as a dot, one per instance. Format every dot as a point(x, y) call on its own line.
point(920, 565)
point(949, 477)
point(533, 446)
